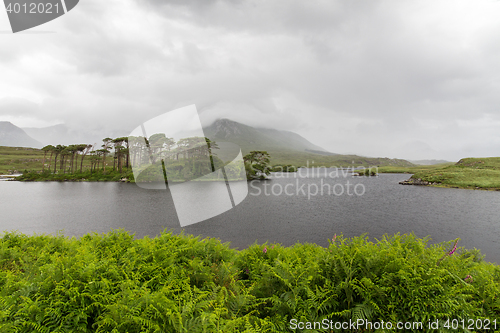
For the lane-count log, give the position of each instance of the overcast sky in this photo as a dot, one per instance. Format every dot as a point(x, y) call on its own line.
point(407, 79)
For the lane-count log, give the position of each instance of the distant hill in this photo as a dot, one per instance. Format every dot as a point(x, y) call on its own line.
point(287, 147)
point(13, 136)
point(62, 135)
point(52, 135)
point(429, 162)
point(321, 152)
point(251, 138)
point(472, 173)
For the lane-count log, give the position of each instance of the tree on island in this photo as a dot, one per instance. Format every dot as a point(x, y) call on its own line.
point(85, 149)
point(120, 152)
point(157, 143)
point(105, 151)
point(189, 157)
point(73, 151)
point(46, 149)
point(94, 160)
point(57, 151)
point(65, 153)
point(257, 164)
point(211, 145)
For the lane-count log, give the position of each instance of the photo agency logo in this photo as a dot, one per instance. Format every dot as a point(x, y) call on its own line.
point(206, 178)
point(311, 181)
point(26, 14)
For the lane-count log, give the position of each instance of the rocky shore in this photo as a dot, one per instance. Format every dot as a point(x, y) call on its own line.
point(418, 181)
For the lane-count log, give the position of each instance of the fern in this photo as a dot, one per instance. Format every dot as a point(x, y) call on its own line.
point(178, 283)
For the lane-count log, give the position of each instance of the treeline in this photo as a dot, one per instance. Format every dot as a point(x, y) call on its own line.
point(159, 147)
point(66, 158)
point(185, 159)
point(160, 157)
point(70, 159)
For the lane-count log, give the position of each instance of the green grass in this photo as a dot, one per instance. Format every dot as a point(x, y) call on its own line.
point(480, 173)
point(468, 173)
point(17, 159)
point(110, 175)
point(175, 283)
point(412, 169)
point(299, 159)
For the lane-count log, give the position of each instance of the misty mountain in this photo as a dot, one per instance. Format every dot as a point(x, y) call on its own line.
point(428, 162)
point(63, 135)
point(52, 135)
point(251, 138)
point(287, 147)
point(247, 137)
point(13, 136)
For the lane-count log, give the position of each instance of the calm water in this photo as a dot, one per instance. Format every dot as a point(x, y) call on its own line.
point(382, 206)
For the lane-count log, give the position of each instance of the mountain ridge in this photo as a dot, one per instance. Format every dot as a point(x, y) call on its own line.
point(287, 147)
point(64, 135)
point(429, 162)
point(13, 136)
point(255, 138)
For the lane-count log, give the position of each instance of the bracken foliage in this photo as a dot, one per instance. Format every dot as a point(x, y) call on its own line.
point(176, 283)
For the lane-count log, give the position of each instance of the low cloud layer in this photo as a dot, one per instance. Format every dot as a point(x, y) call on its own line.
point(381, 78)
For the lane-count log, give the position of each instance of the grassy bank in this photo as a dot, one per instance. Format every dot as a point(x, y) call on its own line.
point(413, 169)
point(16, 159)
point(115, 283)
point(300, 159)
point(100, 175)
point(468, 173)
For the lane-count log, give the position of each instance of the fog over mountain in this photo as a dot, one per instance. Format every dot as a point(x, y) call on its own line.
point(429, 162)
point(250, 138)
point(62, 134)
point(415, 80)
point(247, 137)
point(13, 136)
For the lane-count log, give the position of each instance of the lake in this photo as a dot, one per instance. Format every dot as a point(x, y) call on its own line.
point(282, 210)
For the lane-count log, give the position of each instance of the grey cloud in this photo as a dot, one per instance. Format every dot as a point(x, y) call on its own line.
point(377, 72)
point(10, 106)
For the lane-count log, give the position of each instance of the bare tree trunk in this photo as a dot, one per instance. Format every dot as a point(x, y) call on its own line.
point(43, 162)
point(55, 164)
point(120, 162)
point(86, 151)
point(50, 160)
point(74, 161)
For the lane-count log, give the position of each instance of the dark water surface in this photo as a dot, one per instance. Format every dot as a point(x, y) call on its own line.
point(380, 206)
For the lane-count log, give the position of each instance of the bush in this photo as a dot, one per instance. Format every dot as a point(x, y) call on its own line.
point(100, 175)
point(369, 172)
point(284, 168)
point(175, 283)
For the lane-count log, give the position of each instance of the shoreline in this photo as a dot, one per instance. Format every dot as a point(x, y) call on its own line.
point(420, 182)
point(12, 177)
